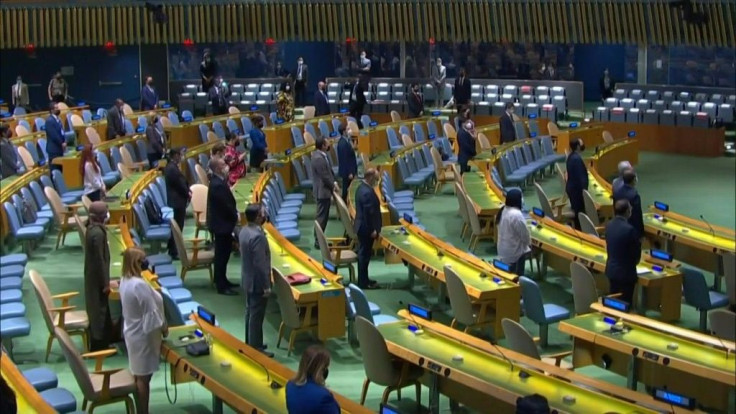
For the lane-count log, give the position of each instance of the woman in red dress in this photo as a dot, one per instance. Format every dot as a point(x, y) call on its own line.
point(234, 159)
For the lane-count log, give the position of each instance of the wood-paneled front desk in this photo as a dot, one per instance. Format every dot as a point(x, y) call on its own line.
point(606, 157)
point(561, 244)
point(691, 364)
point(27, 399)
point(100, 125)
point(426, 256)
point(12, 185)
point(246, 384)
point(489, 380)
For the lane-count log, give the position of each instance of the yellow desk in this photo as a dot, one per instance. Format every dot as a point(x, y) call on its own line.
point(487, 198)
point(562, 244)
point(12, 185)
point(27, 399)
point(186, 134)
point(246, 385)
point(100, 125)
point(121, 208)
point(607, 156)
point(591, 134)
point(655, 358)
point(20, 141)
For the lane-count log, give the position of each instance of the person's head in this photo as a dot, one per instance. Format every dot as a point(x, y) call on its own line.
point(285, 87)
point(207, 56)
point(119, 103)
point(5, 131)
point(415, 87)
point(629, 177)
point(465, 111)
point(514, 198)
point(257, 121)
point(19, 79)
point(371, 176)
point(321, 85)
point(623, 166)
point(54, 109)
point(218, 151)
point(57, 75)
point(314, 366)
point(321, 144)
point(363, 54)
point(218, 80)
point(149, 80)
point(509, 107)
point(577, 145)
point(219, 167)
point(300, 60)
point(605, 72)
point(98, 212)
point(278, 65)
point(231, 139)
point(175, 155)
point(439, 62)
point(152, 118)
point(622, 208)
point(255, 213)
point(134, 262)
point(88, 155)
point(461, 73)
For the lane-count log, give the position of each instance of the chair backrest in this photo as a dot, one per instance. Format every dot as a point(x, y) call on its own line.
point(124, 171)
point(462, 307)
point(38, 194)
point(44, 299)
point(462, 201)
point(695, 289)
point(201, 175)
point(584, 292)
point(57, 206)
point(544, 201)
point(26, 157)
point(344, 215)
point(79, 368)
point(553, 129)
point(723, 324)
point(483, 141)
point(518, 339)
point(533, 304)
point(324, 248)
point(286, 301)
point(309, 111)
point(729, 276)
point(308, 138)
point(360, 301)
point(449, 131)
point(233, 110)
point(181, 248)
point(607, 137)
point(473, 219)
point(171, 310)
point(587, 226)
point(406, 140)
point(127, 157)
point(377, 361)
point(395, 117)
point(93, 137)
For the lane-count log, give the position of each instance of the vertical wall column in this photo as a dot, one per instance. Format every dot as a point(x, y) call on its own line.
point(642, 64)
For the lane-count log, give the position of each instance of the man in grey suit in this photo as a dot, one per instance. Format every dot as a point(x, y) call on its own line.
point(256, 275)
point(116, 120)
point(323, 183)
point(19, 93)
point(618, 182)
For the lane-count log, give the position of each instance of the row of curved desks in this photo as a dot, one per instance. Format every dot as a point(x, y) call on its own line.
point(100, 125)
point(606, 156)
point(123, 194)
point(27, 399)
point(30, 117)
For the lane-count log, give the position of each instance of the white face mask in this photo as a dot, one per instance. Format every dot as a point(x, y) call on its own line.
point(362, 56)
point(300, 62)
point(107, 218)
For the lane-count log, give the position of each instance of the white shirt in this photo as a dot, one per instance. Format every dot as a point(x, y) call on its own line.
point(513, 236)
point(92, 179)
point(299, 72)
point(143, 316)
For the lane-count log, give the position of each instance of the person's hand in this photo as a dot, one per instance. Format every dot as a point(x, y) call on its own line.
point(165, 331)
point(63, 146)
point(114, 284)
point(350, 176)
point(267, 293)
point(374, 235)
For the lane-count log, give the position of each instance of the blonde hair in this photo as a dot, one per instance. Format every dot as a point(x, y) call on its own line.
point(133, 258)
point(313, 364)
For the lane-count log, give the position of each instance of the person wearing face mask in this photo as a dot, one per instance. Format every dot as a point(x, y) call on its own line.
point(149, 96)
point(234, 159)
point(415, 101)
point(577, 179)
point(300, 81)
point(367, 225)
point(259, 147)
point(58, 89)
point(222, 216)
point(439, 74)
point(364, 66)
point(55, 142)
point(255, 270)
point(208, 71)
point(89, 169)
point(19, 92)
point(8, 156)
point(347, 162)
point(306, 393)
point(97, 277)
point(466, 144)
point(285, 103)
point(623, 248)
point(116, 120)
point(144, 323)
point(606, 85)
point(178, 194)
point(155, 141)
point(461, 93)
point(506, 123)
point(323, 183)
point(628, 192)
point(219, 98)
point(514, 240)
point(357, 100)
point(321, 104)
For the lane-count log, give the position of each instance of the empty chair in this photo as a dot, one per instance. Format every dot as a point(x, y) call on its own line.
point(684, 118)
point(636, 94)
point(643, 104)
point(464, 311)
point(194, 259)
point(667, 117)
point(539, 312)
point(336, 251)
point(723, 324)
point(696, 293)
point(701, 120)
point(584, 291)
point(297, 322)
point(60, 185)
point(601, 114)
point(610, 103)
point(618, 114)
point(650, 116)
point(726, 112)
point(562, 213)
point(519, 340)
point(633, 115)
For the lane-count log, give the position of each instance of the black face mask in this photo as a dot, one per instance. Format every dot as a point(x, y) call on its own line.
point(144, 265)
point(582, 147)
point(325, 373)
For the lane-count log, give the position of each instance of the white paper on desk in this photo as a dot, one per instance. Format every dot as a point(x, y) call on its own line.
point(641, 270)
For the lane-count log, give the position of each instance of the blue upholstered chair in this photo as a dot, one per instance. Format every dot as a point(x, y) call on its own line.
point(539, 312)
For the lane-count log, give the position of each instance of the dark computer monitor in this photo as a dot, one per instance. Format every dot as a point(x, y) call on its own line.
point(661, 255)
point(616, 304)
point(408, 218)
point(661, 206)
point(206, 315)
point(419, 311)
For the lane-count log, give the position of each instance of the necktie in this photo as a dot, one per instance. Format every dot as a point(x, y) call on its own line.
point(355, 92)
point(299, 72)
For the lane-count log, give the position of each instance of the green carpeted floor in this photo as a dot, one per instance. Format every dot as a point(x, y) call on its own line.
point(691, 186)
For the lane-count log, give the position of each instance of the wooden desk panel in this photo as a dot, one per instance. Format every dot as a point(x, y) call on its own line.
point(606, 160)
point(702, 142)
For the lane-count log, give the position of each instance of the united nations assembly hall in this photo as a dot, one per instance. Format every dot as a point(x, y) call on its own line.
point(368, 206)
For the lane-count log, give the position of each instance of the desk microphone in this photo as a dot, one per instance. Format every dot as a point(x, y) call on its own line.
point(712, 232)
point(495, 345)
point(274, 385)
point(723, 345)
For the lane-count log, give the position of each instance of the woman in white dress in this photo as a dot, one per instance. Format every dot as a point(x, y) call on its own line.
point(144, 323)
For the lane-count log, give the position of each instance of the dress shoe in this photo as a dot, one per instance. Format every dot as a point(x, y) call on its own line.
point(232, 285)
point(266, 353)
point(264, 347)
point(370, 286)
point(227, 292)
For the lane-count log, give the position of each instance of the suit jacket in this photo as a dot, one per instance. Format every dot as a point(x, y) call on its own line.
point(20, 97)
point(628, 192)
point(310, 398)
point(462, 91)
point(416, 104)
point(8, 158)
point(177, 190)
point(149, 98)
point(323, 179)
point(255, 260)
point(347, 161)
point(305, 73)
point(321, 106)
point(54, 137)
point(367, 211)
point(508, 133)
point(577, 181)
point(96, 279)
point(357, 102)
point(218, 98)
point(623, 246)
point(222, 212)
point(115, 123)
point(466, 145)
point(155, 140)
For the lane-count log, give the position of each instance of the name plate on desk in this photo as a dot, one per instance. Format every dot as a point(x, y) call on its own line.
point(331, 293)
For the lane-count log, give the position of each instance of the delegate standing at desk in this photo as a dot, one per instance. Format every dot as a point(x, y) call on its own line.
point(116, 120)
point(466, 142)
point(623, 247)
point(415, 102)
point(94, 185)
point(577, 179)
point(222, 216)
point(514, 240)
point(55, 142)
point(259, 147)
point(367, 225)
point(97, 277)
point(155, 138)
point(149, 96)
point(306, 392)
point(347, 162)
point(321, 104)
point(177, 195)
point(628, 192)
point(506, 124)
point(618, 182)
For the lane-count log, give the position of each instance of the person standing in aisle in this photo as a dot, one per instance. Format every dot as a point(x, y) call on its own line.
point(222, 216)
point(323, 183)
point(623, 248)
point(577, 179)
point(367, 225)
point(347, 161)
point(177, 194)
point(97, 277)
point(300, 82)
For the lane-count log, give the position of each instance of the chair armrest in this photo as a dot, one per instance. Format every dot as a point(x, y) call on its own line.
point(195, 242)
point(558, 357)
point(106, 374)
point(74, 207)
point(64, 297)
point(99, 356)
point(336, 239)
point(62, 310)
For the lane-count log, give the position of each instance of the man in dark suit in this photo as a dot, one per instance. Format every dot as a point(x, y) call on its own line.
point(222, 215)
point(116, 120)
point(8, 156)
point(321, 104)
point(461, 93)
point(55, 142)
point(623, 245)
point(323, 183)
point(628, 192)
point(357, 101)
point(606, 85)
point(347, 161)
point(300, 81)
point(577, 178)
point(218, 98)
point(367, 225)
point(506, 123)
point(415, 100)
point(149, 96)
point(255, 269)
point(177, 193)
point(466, 144)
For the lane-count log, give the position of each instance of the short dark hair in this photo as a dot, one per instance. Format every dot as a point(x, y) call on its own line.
point(575, 144)
point(319, 142)
point(509, 105)
point(3, 129)
point(629, 176)
point(252, 211)
point(341, 128)
point(52, 106)
point(229, 136)
point(621, 207)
